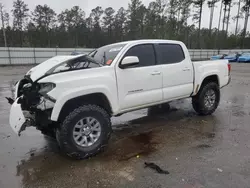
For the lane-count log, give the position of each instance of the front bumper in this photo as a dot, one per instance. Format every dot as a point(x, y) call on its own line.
point(16, 119)
point(20, 119)
point(29, 108)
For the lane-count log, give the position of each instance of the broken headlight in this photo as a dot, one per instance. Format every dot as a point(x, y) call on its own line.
point(46, 87)
point(26, 88)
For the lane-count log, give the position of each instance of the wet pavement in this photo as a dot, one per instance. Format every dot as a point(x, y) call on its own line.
point(212, 151)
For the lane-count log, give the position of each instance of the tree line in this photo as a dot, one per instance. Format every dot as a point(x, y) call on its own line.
point(161, 19)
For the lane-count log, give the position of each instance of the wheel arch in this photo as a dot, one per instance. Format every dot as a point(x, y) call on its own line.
point(207, 79)
point(98, 98)
point(211, 78)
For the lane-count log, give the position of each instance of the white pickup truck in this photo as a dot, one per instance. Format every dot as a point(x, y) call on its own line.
point(73, 97)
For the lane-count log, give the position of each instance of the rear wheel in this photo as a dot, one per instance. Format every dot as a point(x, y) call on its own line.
point(84, 132)
point(207, 99)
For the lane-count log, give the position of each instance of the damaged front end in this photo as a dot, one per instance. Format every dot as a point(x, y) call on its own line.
point(32, 106)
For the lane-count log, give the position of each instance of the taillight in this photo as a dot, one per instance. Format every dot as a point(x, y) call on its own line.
point(229, 68)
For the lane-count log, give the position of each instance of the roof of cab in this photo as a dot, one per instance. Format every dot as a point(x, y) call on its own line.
point(148, 40)
point(143, 41)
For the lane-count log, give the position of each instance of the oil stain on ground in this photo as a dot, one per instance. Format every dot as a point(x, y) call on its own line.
point(141, 144)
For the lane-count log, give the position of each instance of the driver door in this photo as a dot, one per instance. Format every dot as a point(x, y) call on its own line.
point(140, 85)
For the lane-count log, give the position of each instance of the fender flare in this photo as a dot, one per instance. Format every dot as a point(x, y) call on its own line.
point(200, 81)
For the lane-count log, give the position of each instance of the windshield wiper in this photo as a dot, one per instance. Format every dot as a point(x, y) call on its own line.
point(74, 64)
point(94, 52)
point(91, 57)
point(93, 60)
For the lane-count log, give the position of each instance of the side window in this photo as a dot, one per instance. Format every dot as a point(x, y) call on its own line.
point(171, 53)
point(144, 52)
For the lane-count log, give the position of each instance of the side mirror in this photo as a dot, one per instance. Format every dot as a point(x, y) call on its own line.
point(129, 61)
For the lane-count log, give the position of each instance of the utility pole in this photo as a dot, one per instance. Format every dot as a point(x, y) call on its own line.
point(3, 27)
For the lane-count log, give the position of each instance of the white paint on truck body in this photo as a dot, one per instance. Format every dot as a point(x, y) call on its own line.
point(132, 88)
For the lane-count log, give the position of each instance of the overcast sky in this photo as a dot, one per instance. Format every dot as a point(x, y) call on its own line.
point(88, 5)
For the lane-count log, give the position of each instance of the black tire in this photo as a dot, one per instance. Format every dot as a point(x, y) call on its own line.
point(198, 101)
point(65, 133)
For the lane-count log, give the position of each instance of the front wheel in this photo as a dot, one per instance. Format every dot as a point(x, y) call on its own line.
point(84, 132)
point(207, 99)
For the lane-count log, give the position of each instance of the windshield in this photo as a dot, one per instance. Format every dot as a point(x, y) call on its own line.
point(106, 54)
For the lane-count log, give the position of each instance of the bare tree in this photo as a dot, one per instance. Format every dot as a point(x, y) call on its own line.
point(225, 2)
point(245, 8)
point(238, 16)
point(211, 5)
point(20, 16)
point(220, 15)
point(228, 16)
point(198, 4)
point(218, 30)
point(3, 24)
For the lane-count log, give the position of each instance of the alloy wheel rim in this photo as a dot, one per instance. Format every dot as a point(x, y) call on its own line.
point(87, 131)
point(209, 99)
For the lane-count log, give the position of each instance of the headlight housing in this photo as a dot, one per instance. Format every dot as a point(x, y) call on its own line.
point(46, 87)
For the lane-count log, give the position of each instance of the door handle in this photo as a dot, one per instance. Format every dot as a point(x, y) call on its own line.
point(155, 73)
point(186, 69)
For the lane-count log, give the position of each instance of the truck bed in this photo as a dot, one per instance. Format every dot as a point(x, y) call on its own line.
point(211, 67)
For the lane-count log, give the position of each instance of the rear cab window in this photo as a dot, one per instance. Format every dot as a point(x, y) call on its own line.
point(170, 53)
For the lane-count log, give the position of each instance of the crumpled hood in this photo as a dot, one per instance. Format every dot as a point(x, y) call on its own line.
point(41, 69)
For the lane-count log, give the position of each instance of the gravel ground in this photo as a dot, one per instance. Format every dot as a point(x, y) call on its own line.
point(198, 152)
